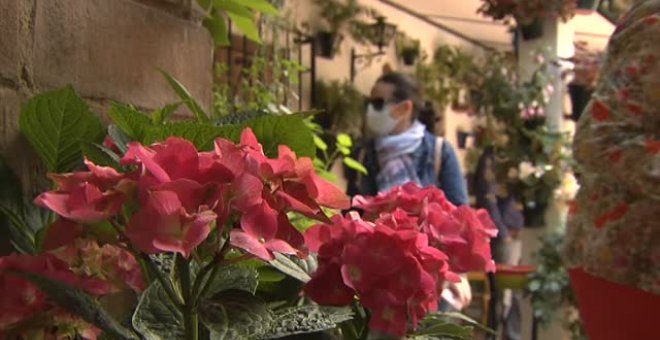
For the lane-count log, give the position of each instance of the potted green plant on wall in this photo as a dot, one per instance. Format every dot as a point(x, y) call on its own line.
point(408, 48)
point(338, 17)
point(528, 14)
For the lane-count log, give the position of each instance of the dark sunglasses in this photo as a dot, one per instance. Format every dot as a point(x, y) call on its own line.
point(377, 103)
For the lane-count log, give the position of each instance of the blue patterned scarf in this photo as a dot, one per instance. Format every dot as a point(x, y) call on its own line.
point(396, 157)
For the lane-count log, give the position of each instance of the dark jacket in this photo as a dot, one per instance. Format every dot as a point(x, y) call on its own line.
point(503, 210)
point(451, 179)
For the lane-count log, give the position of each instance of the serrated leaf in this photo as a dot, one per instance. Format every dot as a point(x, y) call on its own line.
point(55, 123)
point(100, 155)
point(156, 317)
point(289, 130)
point(201, 135)
point(186, 97)
point(320, 144)
point(79, 303)
point(233, 278)
point(161, 115)
point(240, 117)
point(235, 314)
point(289, 267)
point(262, 6)
point(344, 140)
point(306, 319)
point(355, 165)
point(129, 120)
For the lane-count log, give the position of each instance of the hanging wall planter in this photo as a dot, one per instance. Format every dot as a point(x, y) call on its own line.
point(533, 30)
point(461, 138)
point(409, 56)
point(326, 43)
point(588, 5)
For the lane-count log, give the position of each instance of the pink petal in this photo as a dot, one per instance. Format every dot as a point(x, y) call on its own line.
point(280, 247)
point(260, 221)
point(54, 201)
point(138, 152)
point(178, 157)
point(249, 139)
point(247, 190)
point(165, 203)
point(250, 244)
point(326, 193)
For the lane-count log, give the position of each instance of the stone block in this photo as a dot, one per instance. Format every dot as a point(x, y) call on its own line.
point(113, 50)
point(9, 40)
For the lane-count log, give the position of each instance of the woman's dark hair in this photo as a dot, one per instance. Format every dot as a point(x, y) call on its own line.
point(407, 88)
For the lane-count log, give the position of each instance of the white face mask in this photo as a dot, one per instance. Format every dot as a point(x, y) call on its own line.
point(380, 123)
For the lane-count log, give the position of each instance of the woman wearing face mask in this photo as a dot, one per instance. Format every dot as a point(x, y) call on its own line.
point(401, 149)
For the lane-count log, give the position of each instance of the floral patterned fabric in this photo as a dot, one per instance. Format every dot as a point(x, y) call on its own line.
point(614, 228)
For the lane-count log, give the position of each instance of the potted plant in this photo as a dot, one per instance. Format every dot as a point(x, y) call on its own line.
point(408, 48)
point(529, 14)
point(342, 107)
point(462, 135)
point(337, 18)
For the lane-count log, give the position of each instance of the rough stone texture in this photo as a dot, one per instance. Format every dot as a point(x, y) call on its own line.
point(9, 41)
point(113, 49)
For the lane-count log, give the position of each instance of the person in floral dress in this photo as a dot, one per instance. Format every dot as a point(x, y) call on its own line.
point(613, 237)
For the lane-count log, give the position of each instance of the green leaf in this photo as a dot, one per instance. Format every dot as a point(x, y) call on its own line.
point(201, 135)
point(355, 165)
point(186, 98)
point(233, 278)
point(161, 115)
point(262, 6)
point(100, 155)
point(240, 117)
point(77, 302)
point(306, 319)
point(246, 25)
point(289, 130)
point(320, 144)
point(130, 120)
point(344, 150)
point(217, 26)
point(269, 274)
point(235, 314)
point(55, 123)
point(288, 267)
point(344, 140)
point(119, 138)
point(156, 317)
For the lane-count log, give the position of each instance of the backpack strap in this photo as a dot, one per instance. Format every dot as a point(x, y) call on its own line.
point(437, 163)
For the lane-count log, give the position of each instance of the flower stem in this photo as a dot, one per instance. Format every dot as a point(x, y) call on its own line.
point(190, 322)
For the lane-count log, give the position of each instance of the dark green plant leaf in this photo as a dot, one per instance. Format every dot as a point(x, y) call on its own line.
point(289, 267)
point(186, 98)
point(156, 317)
point(201, 135)
point(119, 138)
point(306, 319)
point(100, 155)
point(289, 130)
point(55, 123)
point(161, 115)
point(130, 120)
point(79, 303)
point(344, 140)
point(240, 117)
point(233, 278)
point(320, 144)
point(235, 314)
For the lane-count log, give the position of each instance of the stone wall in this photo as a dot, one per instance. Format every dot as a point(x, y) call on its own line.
point(107, 49)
